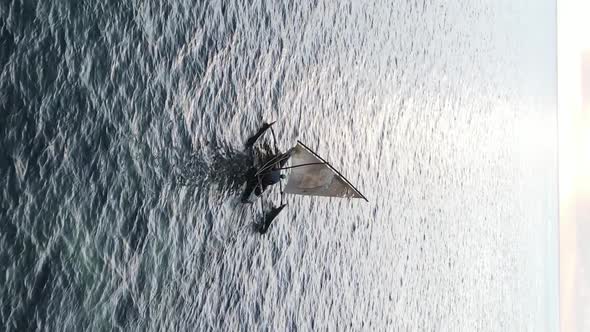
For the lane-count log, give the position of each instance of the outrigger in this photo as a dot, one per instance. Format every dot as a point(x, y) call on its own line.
point(309, 174)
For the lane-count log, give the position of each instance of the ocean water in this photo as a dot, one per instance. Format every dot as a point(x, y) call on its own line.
point(122, 128)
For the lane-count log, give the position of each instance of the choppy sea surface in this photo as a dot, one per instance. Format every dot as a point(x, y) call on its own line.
point(122, 130)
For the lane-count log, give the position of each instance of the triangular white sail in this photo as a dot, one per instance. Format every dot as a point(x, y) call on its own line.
point(311, 175)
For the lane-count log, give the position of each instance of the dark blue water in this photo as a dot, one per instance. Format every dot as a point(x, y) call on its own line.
point(122, 128)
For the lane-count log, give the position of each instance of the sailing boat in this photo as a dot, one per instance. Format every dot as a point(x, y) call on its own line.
point(308, 174)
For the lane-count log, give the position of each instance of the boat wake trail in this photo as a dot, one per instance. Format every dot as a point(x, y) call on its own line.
point(226, 170)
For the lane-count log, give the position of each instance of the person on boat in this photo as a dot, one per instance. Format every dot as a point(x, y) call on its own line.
point(259, 184)
point(268, 179)
point(272, 177)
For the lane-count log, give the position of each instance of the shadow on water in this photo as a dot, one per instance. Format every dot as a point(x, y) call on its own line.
point(225, 168)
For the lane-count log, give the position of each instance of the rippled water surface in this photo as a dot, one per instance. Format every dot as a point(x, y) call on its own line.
point(122, 165)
